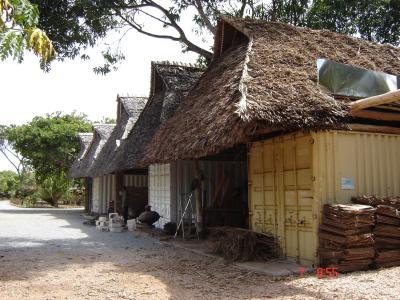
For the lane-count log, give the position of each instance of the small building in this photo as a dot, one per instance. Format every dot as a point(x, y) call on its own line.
point(308, 142)
point(128, 111)
point(224, 191)
point(85, 138)
point(101, 189)
point(170, 81)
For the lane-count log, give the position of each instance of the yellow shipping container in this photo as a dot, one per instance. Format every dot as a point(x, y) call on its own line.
point(292, 176)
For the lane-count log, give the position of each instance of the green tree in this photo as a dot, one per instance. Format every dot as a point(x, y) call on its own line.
point(54, 187)
point(18, 162)
point(373, 20)
point(9, 183)
point(106, 120)
point(19, 32)
point(50, 145)
point(73, 26)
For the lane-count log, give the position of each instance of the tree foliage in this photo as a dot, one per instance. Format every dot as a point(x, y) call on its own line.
point(73, 26)
point(373, 20)
point(8, 184)
point(19, 163)
point(50, 145)
point(54, 187)
point(106, 120)
point(19, 32)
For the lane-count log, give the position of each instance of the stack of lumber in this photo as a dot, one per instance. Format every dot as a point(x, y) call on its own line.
point(238, 244)
point(346, 239)
point(377, 200)
point(387, 236)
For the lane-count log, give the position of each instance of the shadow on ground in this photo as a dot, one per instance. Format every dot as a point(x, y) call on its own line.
point(43, 243)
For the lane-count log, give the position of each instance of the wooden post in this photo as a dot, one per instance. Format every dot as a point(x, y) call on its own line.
point(376, 115)
point(86, 183)
point(119, 182)
point(199, 204)
point(374, 128)
point(375, 100)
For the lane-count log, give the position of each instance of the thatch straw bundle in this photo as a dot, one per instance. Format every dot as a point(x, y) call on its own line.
point(237, 244)
point(263, 76)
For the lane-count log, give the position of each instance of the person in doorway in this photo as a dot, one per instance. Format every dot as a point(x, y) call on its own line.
point(124, 203)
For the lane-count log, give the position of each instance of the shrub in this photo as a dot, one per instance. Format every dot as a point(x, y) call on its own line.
point(53, 188)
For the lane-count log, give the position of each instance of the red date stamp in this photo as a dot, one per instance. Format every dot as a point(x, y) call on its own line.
point(327, 273)
point(322, 272)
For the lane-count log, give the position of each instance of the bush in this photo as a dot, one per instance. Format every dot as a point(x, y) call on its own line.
point(74, 196)
point(53, 188)
point(32, 199)
point(24, 192)
point(8, 184)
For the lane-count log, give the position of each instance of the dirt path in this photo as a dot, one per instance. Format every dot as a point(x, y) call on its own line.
point(49, 254)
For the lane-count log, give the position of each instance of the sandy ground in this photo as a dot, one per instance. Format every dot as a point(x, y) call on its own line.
point(49, 254)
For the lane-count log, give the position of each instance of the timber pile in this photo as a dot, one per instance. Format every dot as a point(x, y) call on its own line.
point(237, 244)
point(387, 236)
point(387, 228)
point(377, 200)
point(346, 239)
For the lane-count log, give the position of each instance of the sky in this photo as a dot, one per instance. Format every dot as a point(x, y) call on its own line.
point(26, 91)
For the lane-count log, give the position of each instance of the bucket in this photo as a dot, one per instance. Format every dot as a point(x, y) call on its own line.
point(131, 224)
point(113, 229)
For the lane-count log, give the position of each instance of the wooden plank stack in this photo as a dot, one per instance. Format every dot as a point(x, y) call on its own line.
point(346, 239)
point(387, 229)
point(387, 236)
point(377, 200)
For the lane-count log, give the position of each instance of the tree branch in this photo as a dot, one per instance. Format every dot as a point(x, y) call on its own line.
point(242, 8)
point(207, 22)
point(139, 29)
point(9, 160)
point(172, 23)
point(14, 154)
point(190, 46)
point(155, 18)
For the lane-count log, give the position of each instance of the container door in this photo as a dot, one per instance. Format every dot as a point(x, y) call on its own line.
point(281, 196)
point(296, 190)
point(262, 199)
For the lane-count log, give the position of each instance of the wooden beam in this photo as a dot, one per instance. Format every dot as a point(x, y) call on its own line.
point(374, 128)
point(263, 131)
point(393, 108)
point(199, 203)
point(375, 100)
point(376, 115)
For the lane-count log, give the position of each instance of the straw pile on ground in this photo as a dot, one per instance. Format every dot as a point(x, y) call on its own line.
point(346, 239)
point(237, 244)
point(387, 229)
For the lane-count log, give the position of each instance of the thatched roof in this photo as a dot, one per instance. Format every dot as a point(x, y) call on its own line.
point(128, 111)
point(85, 138)
point(101, 133)
point(170, 82)
point(263, 75)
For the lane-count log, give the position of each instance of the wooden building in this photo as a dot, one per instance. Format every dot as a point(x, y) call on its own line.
point(128, 111)
point(85, 138)
point(170, 81)
point(99, 187)
point(306, 144)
